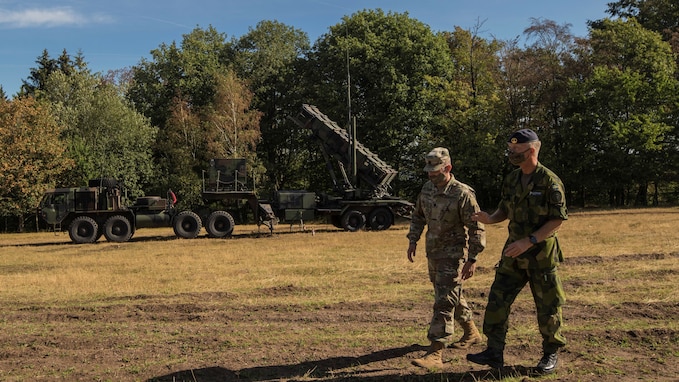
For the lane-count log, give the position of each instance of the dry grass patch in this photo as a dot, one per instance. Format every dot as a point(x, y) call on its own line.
point(321, 304)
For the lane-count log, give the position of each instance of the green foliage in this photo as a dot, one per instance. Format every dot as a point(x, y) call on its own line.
point(620, 108)
point(269, 57)
point(106, 137)
point(661, 16)
point(37, 80)
point(32, 155)
point(606, 106)
point(201, 108)
point(471, 125)
point(186, 71)
point(392, 60)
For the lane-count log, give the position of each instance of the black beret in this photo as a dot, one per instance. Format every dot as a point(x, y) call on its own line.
point(523, 136)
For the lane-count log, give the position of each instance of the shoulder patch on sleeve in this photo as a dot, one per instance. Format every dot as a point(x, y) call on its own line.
point(557, 195)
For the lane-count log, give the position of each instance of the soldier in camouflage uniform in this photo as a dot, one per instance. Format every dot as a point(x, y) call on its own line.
point(533, 200)
point(453, 241)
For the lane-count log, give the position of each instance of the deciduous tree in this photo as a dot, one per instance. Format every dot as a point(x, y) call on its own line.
point(392, 60)
point(622, 108)
point(106, 137)
point(33, 155)
point(269, 57)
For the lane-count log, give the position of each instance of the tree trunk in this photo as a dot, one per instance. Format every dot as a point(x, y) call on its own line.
point(20, 227)
point(642, 195)
point(655, 194)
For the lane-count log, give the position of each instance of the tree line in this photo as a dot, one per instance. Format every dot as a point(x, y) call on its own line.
point(605, 106)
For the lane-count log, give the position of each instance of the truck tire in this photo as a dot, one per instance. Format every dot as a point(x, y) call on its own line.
point(219, 224)
point(353, 220)
point(118, 229)
point(83, 230)
point(380, 219)
point(187, 225)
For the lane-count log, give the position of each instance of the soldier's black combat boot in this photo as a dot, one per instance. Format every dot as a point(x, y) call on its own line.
point(547, 364)
point(491, 357)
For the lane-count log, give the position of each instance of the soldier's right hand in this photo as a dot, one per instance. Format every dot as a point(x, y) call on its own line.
point(411, 251)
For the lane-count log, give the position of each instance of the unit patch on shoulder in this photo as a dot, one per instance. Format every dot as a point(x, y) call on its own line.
point(557, 195)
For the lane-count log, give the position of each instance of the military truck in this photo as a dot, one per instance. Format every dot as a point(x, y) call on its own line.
point(98, 209)
point(88, 213)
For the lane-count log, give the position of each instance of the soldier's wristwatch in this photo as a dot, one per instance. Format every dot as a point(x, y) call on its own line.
point(533, 239)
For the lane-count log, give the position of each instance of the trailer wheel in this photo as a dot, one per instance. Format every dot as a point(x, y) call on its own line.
point(118, 229)
point(353, 220)
point(380, 218)
point(83, 230)
point(219, 224)
point(187, 225)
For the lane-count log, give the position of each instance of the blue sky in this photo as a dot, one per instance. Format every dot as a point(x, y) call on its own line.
point(118, 34)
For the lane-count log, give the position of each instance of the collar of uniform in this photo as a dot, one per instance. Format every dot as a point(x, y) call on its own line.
point(448, 185)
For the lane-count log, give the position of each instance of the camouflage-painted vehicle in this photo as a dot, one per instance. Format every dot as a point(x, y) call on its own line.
point(90, 212)
point(347, 206)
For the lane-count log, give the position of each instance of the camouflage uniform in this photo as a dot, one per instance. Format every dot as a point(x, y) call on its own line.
point(452, 236)
point(527, 210)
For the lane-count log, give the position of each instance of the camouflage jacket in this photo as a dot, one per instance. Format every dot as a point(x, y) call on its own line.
point(447, 214)
point(527, 210)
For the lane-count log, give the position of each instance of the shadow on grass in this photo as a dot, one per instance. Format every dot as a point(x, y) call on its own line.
point(329, 370)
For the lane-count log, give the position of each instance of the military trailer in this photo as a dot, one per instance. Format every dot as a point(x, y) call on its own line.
point(88, 213)
point(349, 162)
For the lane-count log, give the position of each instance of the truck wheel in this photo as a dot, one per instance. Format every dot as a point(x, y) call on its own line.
point(219, 224)
point(83, 230)
point(187, 225)
point(380, 218)
point(353, 220)
point(118, 229)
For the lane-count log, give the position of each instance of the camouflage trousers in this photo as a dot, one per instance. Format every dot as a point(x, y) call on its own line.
point(449, 304)
point(548, 296)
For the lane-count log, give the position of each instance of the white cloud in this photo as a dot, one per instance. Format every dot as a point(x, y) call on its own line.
point(47, 17)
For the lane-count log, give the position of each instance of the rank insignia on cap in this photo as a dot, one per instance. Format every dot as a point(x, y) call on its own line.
point(523, 136)
point(436, 159)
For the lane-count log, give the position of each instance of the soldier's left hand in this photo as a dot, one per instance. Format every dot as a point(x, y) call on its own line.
point(518, 247)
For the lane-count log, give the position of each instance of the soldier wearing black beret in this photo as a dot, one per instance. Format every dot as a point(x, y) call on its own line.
point(533, 200)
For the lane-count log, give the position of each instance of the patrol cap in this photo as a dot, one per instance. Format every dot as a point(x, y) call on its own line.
point(436, 159)
point(523, 136)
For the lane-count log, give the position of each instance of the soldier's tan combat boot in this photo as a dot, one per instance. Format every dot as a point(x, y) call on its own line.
point(433, 358)
point(470, 337)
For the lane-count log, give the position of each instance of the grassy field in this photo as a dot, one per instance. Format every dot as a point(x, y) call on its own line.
point(323, 305)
